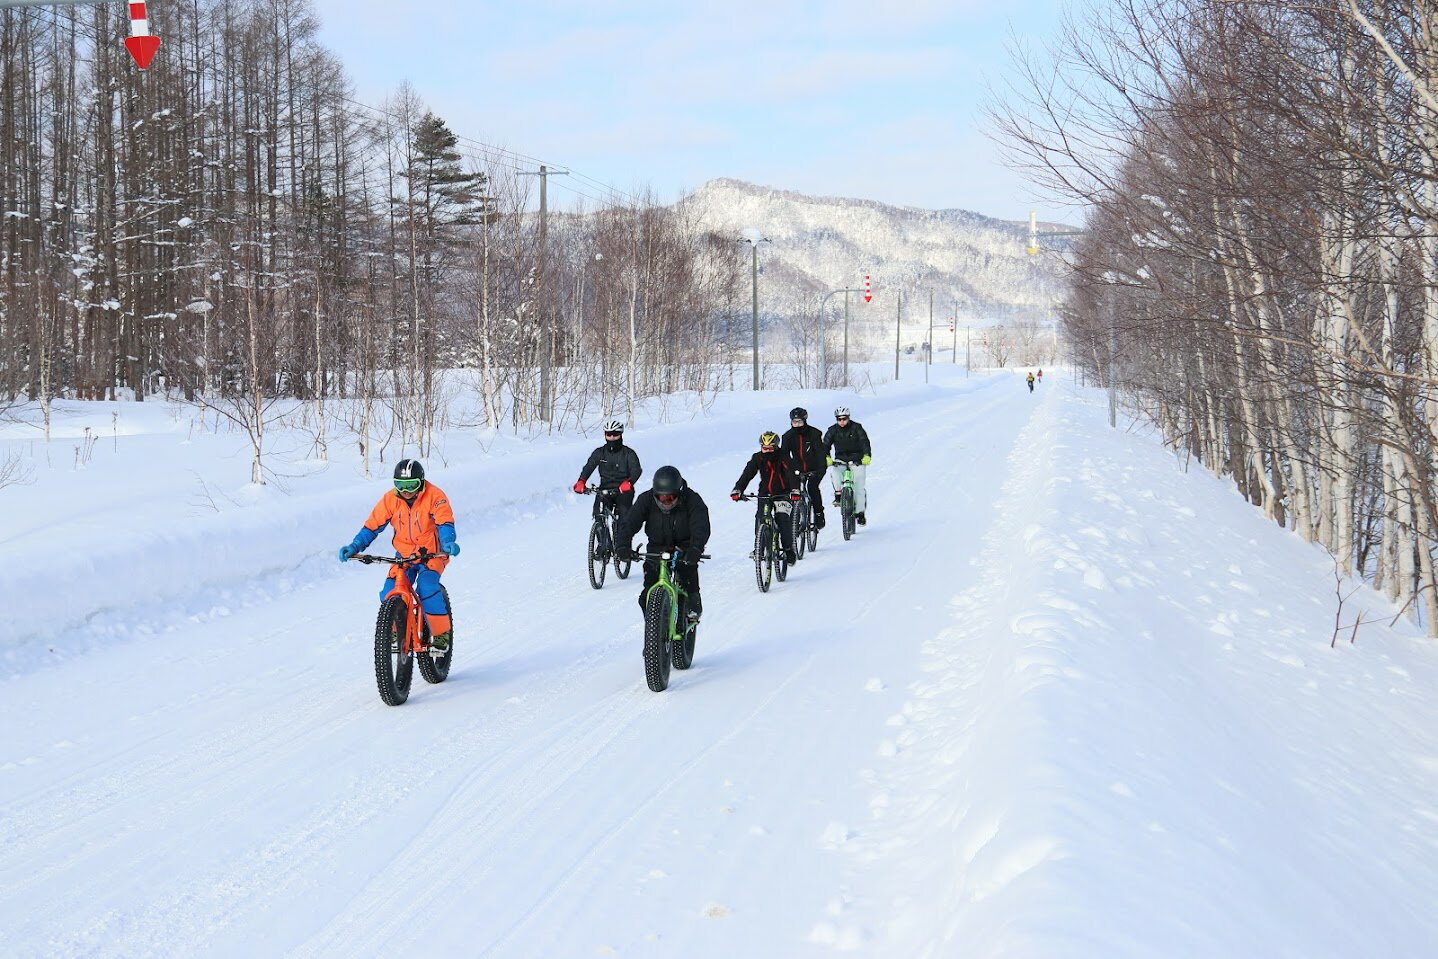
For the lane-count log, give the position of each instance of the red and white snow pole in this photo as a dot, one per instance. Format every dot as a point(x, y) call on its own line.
point(868, 290)
point(141, 43)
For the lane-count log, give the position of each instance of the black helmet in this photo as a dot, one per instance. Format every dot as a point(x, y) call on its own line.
point(408, 476)
point(799, 413)
point(667, 480)
point(668, 484)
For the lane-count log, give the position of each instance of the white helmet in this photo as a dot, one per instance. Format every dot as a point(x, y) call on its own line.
point(841, 411)
point(614, 426)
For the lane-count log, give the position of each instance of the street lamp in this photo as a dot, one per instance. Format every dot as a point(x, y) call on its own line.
point(823, 349)
point(754, 238)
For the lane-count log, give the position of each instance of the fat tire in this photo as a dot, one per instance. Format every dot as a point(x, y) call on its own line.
point(681, 650)
point(799, 527)
point(435, 669)
point(621, 567)
point(763, 567)
point(776, 549)
point(392, 671)
point(656, 639)
point(596, 565)
point(811, 530)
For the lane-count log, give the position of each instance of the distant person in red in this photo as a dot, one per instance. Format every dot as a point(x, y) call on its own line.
point(1041, 374)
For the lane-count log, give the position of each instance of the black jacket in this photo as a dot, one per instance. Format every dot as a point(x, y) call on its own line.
point(615, 464)
point(805, 445)
point(775, 471)
point(687, 524)
point(848, 443)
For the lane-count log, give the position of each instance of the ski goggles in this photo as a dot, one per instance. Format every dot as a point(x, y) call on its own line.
point(667, 499)
point(408, 485)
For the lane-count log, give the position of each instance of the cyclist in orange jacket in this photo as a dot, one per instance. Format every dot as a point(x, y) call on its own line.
point(422, 518)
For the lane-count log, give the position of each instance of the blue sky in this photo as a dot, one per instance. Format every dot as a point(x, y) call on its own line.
point(876, 100)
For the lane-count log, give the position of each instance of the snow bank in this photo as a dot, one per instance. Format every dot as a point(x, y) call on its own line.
point(1136, 740)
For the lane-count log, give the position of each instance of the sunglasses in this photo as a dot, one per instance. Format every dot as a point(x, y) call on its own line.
point(612, 436)
point(408, 485)
point(841, 418)
point(668, 499)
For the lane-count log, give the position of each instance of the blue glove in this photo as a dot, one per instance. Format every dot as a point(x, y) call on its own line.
point(346, 552)
point(449, 546)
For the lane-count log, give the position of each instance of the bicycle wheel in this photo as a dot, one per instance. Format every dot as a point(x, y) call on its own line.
point(435, 669)
point(799, 527)
point(846, 506)
point(621, 568)
point(681, 650)
point(393, 668)
point(812, 530)
point(656, 640)
point(776, 550)
point(597, 559)
point(763, 567)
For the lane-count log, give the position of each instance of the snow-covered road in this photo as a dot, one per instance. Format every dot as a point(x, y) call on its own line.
point(1008, 716)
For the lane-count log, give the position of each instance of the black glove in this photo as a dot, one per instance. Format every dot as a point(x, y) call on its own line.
point(625, 554)
point(692, 554)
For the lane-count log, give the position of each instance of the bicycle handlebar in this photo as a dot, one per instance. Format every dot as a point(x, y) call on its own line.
point(746, 497)
point(665, 555)
point(600, 489)
point(419, 557)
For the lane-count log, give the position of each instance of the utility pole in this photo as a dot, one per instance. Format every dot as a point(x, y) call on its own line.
point(846, 340)
point(546, 318)
point(756, 314)
point(824, 336)
point(929, 347)
point(754, 240)
point(898, 321)
point(968, 352)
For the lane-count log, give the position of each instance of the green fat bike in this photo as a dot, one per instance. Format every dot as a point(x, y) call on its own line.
point(668, 635)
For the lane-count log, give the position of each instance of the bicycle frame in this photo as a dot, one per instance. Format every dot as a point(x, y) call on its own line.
point(668, 560)
point(666, 581)
point(414, 641)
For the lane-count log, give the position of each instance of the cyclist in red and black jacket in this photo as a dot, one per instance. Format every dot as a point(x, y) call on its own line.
point(805, 446)
point(778, 481)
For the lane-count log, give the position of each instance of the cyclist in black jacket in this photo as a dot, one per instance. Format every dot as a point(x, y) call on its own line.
point(805, 446)
point(847, 441)
point(673, 516)
point(618, 466)
point(779, 482)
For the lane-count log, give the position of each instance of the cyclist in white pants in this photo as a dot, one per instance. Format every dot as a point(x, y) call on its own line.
point(846, 441)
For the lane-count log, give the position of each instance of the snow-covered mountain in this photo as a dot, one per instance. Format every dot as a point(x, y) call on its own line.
point(971, 262)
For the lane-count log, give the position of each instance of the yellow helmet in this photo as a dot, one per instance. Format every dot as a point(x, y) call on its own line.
point(768, 440)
